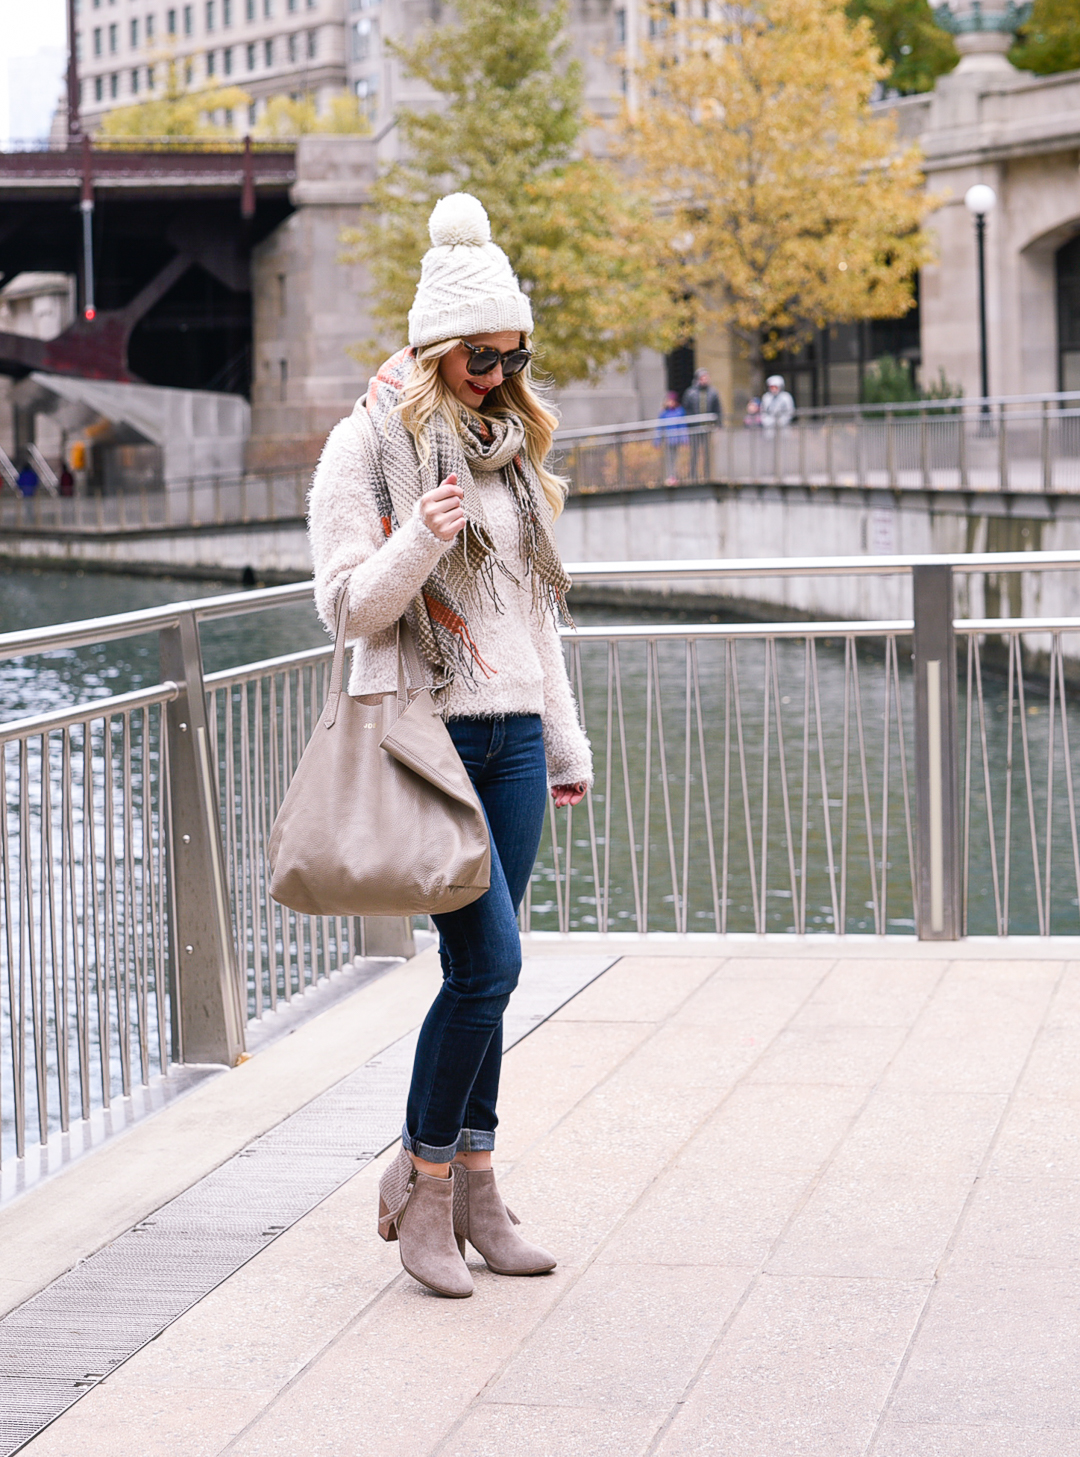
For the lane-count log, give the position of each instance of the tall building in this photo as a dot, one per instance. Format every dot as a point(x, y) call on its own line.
point(267, 47)
point(599, 32)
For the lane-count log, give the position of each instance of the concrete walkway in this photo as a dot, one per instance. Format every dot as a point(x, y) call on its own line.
point(806, 1200)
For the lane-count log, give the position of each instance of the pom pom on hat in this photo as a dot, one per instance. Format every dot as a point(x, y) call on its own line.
point(459, 218)
point(467, 285)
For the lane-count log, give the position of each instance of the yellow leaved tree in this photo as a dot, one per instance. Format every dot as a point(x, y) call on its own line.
point(579, 235)
point(789, 205)
point(287, 117)
point(176, 110)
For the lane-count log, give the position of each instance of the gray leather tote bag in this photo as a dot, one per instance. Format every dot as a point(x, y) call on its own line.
point(381, 818)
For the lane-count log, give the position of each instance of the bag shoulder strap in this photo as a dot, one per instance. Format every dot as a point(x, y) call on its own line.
point(337, 667)
point(410, 671)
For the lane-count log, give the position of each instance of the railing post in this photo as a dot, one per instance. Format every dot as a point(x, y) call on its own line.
point(208, 1005)
point(1044, 448)
point(939, 913)
point(1003, 451)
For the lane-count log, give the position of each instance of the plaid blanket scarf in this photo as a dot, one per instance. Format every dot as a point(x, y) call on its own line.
point(439, 615)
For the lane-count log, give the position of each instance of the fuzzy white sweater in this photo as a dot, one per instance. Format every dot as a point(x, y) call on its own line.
point(519, 643)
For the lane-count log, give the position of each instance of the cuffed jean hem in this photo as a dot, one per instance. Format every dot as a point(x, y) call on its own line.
point(469, 1140)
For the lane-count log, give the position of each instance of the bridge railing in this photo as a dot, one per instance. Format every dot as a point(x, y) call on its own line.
point(1018, 444)
point(913, 776)
point(1010, 443)
point(196, 503)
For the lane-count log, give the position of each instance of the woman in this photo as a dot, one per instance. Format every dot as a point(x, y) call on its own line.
point(433, 501)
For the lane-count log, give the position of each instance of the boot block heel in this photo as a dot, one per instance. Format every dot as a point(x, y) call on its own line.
point(387, 1232)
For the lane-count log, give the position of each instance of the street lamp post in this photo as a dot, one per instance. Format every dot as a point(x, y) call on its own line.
point(980, 200)
point(74, 118)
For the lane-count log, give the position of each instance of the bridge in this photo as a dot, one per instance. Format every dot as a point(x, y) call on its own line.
point(160, 237)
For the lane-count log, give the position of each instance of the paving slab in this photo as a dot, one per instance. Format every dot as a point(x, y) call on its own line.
point(931, 1439)
point(496, 1430)
point(996, 1346)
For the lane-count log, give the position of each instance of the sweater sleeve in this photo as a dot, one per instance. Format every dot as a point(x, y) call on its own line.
point(569, 756)
point(349, 547)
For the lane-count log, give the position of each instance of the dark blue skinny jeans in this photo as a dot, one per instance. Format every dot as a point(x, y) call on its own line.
point(455, 1080)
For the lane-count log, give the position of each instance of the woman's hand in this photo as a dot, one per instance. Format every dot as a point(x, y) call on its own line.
point(564, 794)
point(442, 510)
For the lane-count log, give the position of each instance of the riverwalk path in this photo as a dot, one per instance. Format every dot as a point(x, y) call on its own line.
point(808, 1197)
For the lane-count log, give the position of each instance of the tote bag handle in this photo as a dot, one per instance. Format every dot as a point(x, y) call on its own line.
point(410, 672)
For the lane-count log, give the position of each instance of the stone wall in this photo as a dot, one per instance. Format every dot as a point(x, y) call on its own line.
point(309, 306)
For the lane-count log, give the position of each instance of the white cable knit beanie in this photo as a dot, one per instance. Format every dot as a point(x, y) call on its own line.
point(466, 283)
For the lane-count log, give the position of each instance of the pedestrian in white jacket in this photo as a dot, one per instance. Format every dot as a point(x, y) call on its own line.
point(433, 501)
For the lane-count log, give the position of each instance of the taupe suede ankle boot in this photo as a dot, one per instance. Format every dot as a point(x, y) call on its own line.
point(418, 1211)
point(481, 1217)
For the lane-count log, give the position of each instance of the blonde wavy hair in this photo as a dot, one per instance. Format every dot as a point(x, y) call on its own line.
point(426, 394)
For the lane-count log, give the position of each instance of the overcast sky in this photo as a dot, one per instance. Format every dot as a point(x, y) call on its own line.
point(26, 30)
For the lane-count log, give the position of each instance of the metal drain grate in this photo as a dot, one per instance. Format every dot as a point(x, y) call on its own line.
point(84, 1325)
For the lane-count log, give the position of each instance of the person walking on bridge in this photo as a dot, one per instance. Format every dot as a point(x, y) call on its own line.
point(434, 501)
point(777, 406)
point(701, 399)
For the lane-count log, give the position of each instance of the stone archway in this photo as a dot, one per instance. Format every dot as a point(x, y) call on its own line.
point(1067, 289)
point(1039, 314)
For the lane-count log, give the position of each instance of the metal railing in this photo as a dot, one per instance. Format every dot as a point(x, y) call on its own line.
point(837, 777)
point(1028, 443)
point(199, 502)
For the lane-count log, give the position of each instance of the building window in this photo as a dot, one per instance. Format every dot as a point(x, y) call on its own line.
point(134, 35)
point(620, 27)
point(249, 10)
point(312, 42)
point(114, 39)
point(114, 86)
point(149, 29)
point(229, 122)
point(252, 114)
point(97, 40)
point(292, 49)
point(170, 21)
point(150, 78)
point(189, 73)
point(268, 52)
point(251, 58)
point(311, 4)
point(268, 9)
point(209, 14)
point(99, 88)
point(227, 60)
point(291, 5)
point(189, 25)
point(226, 13)
point(78, 45)
point(211, 63)
point(135, 83)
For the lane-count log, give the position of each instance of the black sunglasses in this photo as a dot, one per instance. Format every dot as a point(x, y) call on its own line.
point(482, 359)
